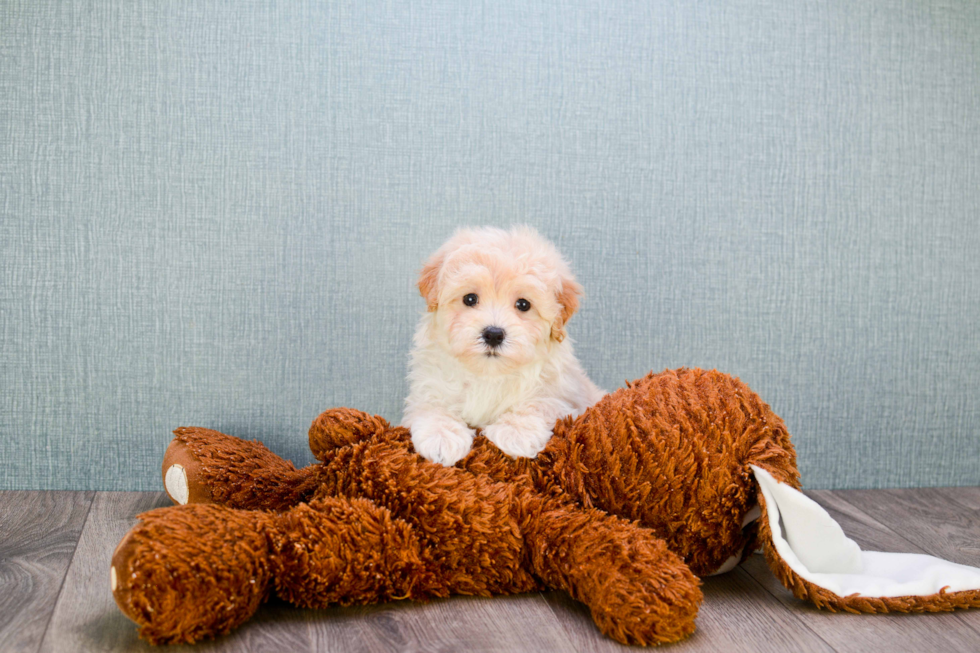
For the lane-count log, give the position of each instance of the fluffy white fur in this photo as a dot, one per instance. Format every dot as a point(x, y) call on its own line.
point(514, 391)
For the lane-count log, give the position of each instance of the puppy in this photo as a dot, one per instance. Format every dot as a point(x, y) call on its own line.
point(491, 352)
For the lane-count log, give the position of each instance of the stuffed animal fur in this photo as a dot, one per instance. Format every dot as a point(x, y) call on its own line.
point(678, 475)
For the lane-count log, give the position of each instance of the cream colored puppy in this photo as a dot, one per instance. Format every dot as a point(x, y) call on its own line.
point(491, 352)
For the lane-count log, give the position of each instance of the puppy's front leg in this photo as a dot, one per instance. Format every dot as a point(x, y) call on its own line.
point(439, 437)
point(524, 431)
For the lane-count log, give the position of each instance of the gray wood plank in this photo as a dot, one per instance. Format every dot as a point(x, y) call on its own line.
point(968, 497)
point(736, 615)
point(85, 617)
point(489, 625)
point(460, 623)
point(846, 632)
point(926, 517)
point(38, 534)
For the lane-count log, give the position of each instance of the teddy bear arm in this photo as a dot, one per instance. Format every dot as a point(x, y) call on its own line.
point(339, 427)
point(638, 591)
point(205, 466)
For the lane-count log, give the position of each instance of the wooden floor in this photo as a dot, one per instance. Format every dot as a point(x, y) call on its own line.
point(54, 591)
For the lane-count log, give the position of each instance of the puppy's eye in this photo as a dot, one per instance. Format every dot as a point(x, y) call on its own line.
point(522, 305)
point(470, 299)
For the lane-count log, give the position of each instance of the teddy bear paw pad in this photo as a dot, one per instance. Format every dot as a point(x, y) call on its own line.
point(176, 483)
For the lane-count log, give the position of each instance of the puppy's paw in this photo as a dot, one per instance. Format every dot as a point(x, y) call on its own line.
point(441, 438)
point(524, 440)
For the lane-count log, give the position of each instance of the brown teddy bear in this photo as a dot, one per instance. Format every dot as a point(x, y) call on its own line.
point(658, 483)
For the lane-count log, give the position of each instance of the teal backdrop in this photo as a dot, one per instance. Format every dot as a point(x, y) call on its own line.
point(212, 213)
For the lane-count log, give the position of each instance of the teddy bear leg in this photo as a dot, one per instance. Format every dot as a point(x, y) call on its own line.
point(205, 466)
point(190, 572)
point(639, 592)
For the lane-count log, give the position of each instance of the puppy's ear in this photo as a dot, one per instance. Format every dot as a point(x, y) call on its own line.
point(429, 280)
point(568, 296)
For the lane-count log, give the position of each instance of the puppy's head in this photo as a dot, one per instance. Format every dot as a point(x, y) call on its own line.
point(501, 298)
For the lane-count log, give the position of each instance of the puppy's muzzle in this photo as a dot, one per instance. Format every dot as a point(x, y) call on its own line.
point(493, 336)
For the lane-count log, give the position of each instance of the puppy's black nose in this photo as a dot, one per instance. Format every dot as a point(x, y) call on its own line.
point(493, 336)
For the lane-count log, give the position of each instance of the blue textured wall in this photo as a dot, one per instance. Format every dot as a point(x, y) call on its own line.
point(212, 213)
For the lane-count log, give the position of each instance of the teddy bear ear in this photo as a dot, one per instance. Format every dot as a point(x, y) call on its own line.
point(429, 280)
point(569, 292)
